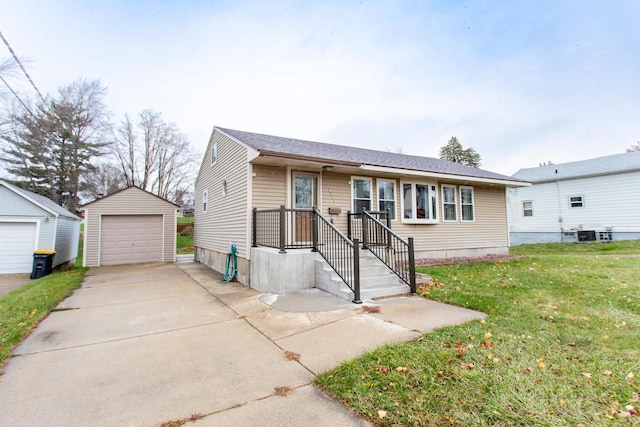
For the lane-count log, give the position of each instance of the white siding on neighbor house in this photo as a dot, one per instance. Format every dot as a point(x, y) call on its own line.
point(132, 201)
point(609, 201)
point(67, 236)
point(13, 204)
point(226, 218)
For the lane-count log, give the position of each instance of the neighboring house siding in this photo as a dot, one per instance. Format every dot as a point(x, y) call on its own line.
point(66, 240)
point(225, 221)
point(609, 201)
point(269, 187)
point(132, 201)
point(12, 204)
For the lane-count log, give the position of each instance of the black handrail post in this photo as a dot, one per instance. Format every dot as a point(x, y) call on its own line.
point(314, 230)
point(389, 229)
point(349, 224)
point(412, 267)
point(356, 272)
point(365, 230)
point(254, 224)
point(283, 230)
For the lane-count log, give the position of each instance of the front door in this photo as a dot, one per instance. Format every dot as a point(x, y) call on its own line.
point(305, 187)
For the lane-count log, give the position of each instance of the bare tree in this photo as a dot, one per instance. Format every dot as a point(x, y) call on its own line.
point(105, 179)
point(154, 155)
point(634, 147)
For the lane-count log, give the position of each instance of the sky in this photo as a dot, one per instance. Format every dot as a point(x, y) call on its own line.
point(522, 82)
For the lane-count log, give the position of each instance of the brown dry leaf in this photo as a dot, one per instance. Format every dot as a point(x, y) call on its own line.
point(630, 377)
point(608, 372)
point(283, 390)
point(371, 308)
point(382, 413)
point(634, 398)
point(401, 368)
point(242, 316)
point(541, 364)
point(631, 410)
point(292, 356)
point(624, 414)
point(383, 370)
point(586, 374)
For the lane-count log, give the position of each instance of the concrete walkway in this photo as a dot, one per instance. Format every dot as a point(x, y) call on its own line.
point(146, 344)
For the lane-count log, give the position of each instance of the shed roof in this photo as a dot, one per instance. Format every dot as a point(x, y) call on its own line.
point(606, 165)
point(41, 201)
point(340, 154)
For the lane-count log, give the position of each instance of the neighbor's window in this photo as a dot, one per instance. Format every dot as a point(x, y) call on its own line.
point(387, 197)
point(361, 194)
point(576, 202)
point(466, 203)
point(419, 202)
point(449, 211)
point(214, 153)
point(205, 197)
point(527, 208)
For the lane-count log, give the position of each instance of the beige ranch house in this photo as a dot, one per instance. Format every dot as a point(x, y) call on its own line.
point(348, 220)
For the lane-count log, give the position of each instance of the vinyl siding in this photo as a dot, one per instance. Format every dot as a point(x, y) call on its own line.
point(609, 201)
point(13, 204)
point(269, 187)
point(66, 240)
point(132, 201)
point(225, 221)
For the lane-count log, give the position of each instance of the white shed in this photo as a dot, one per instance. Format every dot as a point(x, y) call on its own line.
point(128, 227)
point(29, 221)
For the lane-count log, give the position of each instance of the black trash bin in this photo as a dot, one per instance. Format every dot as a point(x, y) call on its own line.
point(42, 263)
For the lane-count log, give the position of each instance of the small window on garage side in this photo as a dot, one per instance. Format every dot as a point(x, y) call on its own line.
point(576, 202)
point(527, 208)
point(205, 199)
point(214, 154)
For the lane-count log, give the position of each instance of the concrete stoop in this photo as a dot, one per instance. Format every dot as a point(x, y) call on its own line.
point(376, 279)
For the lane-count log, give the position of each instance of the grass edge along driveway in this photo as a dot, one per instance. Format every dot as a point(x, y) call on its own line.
point(559, 347)
point(23, 309)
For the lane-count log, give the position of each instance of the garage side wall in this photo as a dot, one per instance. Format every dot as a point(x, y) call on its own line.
point(132, 201)
point(67, 237)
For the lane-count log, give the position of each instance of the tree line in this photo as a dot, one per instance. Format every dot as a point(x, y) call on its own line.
point(67, 148)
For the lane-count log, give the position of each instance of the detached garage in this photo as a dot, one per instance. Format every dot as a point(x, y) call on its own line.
point(29, 221)
point(127, 227)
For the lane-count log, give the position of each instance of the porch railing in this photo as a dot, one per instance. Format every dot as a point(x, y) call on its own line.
point(283, 228)
point(354, 223)
point(396, 252)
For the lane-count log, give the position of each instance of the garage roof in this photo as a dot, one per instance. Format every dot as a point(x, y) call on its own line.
point(41, 201)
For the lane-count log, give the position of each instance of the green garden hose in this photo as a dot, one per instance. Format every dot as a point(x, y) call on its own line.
point(231, 269)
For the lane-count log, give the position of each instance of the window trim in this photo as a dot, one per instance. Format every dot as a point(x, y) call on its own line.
point(371, 198)
point(214, 153)
point(394, 216)
point(524, 210)
point(433, 208)
point(205, 201)
point(571, 206)
point(473, 204)
point(455, 202)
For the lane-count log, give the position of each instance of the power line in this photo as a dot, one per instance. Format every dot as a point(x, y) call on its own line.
point(24, 70)
point(17, 97)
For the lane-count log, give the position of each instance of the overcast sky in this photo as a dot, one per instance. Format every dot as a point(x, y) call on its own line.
point(522, 82)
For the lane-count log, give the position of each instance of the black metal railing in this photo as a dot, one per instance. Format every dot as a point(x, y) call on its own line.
point(283, 228)
point(396, 252)
point(342, 254)
point(354, 223)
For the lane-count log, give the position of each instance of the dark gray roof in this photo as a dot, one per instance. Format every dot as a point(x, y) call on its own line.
point(607, 165)
point(289, 147)
point(42, 201)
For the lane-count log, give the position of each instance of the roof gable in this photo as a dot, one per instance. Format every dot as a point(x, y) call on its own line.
point(606, 165)
point(124, 192)
point(40, 201)
point(323, 152)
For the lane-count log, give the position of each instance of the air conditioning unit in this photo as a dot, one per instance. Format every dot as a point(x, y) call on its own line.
point(594, 235)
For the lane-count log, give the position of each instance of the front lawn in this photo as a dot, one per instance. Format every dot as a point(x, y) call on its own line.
point(22, 309)
point(560, 346)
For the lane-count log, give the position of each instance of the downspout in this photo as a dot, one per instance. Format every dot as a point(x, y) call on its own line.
point(560, 220)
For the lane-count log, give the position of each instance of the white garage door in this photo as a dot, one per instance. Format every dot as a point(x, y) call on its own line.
point(17, 243)
point(129, 239)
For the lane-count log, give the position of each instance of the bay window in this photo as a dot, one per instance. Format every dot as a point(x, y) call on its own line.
point(419, 202)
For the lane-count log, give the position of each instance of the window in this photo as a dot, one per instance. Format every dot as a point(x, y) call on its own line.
point(361, 194)
point(449, 211)
point(466, 203)
point(527, 208)
point(387, 197)
point(214, 153)
point(419, 202)
point(205, 197)
point(576, 202)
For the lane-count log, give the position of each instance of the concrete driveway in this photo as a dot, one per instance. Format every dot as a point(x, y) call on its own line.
point(9, 282)
point(147, 344)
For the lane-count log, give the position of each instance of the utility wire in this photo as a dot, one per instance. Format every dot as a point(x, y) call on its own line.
point(16, 95)
point(24, 70)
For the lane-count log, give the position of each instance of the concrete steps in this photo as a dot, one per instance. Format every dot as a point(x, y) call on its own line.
point(376, 279)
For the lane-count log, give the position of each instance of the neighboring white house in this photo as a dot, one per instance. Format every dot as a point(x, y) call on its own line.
point(595, 199)
point(29, 221)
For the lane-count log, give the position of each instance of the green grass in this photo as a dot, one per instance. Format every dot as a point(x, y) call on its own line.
point(619, 247)
point(22, 309)
point(559, 347)
point(184, 244)
point(185, 220)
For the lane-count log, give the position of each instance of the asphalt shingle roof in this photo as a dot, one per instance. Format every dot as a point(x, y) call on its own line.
point(289, 147)
point(607, 165)
point(43, 201)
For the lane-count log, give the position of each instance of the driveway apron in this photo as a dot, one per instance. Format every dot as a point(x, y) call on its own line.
point(142, 345)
